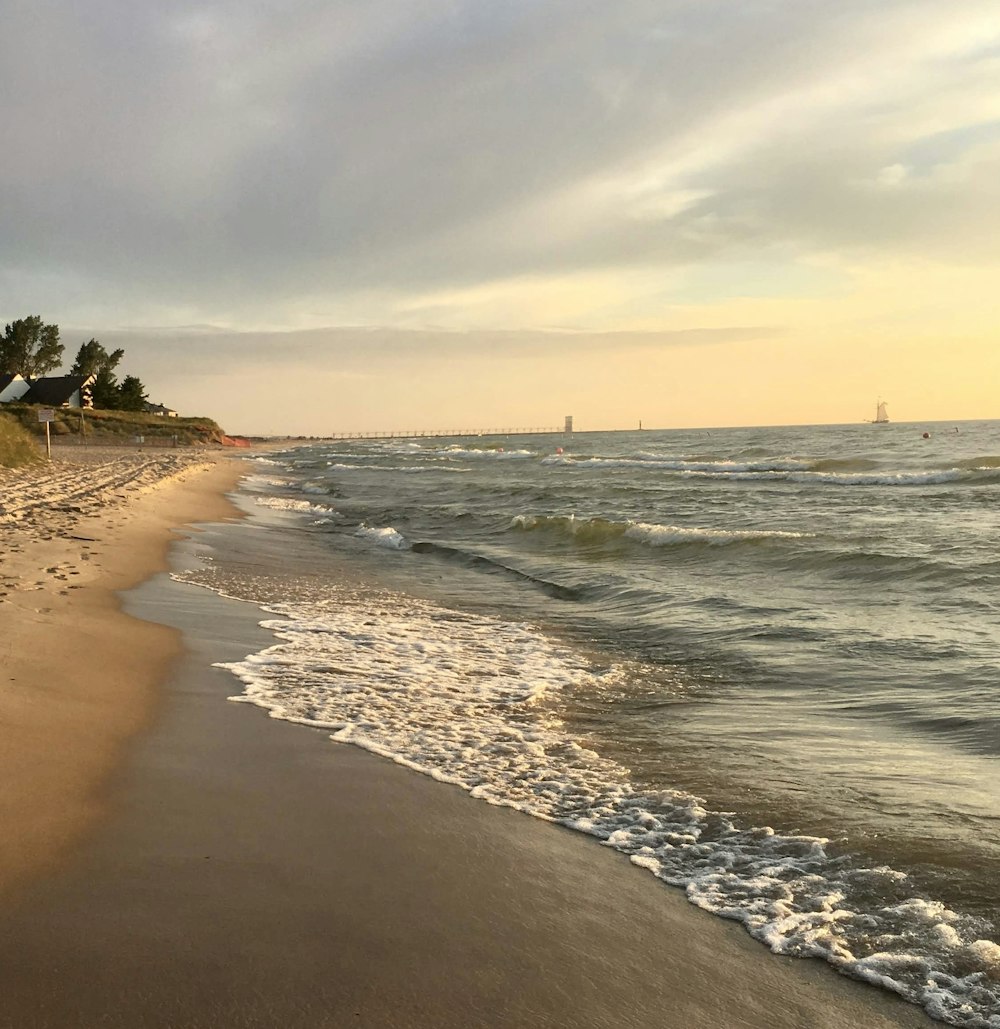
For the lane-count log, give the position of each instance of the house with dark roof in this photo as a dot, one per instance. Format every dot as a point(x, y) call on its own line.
point(159, 410)
point(60, 391)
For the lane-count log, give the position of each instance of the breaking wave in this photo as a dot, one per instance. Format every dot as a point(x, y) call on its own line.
point(385, 537)
point(820, 473)
point(290, 504)
point(600, 530)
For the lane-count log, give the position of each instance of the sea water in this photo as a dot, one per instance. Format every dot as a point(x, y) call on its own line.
point(762, 663)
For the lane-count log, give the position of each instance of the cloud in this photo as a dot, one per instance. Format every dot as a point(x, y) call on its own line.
point(337, 161)
point(160, 353)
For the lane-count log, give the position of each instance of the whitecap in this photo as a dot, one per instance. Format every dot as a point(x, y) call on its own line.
point(384, 537)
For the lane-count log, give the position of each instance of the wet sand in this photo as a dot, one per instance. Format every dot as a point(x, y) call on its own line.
point(252, 873)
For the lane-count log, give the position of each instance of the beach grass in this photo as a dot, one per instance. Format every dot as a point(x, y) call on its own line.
point(17, 448)
point(118, 426)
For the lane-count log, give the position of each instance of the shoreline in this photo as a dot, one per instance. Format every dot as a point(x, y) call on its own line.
point(80, 678)
point(257, 874)
point(225, 868)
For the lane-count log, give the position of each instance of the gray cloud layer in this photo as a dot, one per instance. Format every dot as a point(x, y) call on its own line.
point(236, 162)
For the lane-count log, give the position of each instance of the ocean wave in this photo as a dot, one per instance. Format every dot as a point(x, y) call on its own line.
point(843, 464)
point(290, 504)
point(925, 478)
point(394, 469)
point(821, 473)
point(932, 477)
point(981, 463)
point(384, 537)
point(262, 482)
point(600, 530)
point(802, 552)
point(492, 565)
point(474, 701)
point(484, 452)
point(878, 566)
point(720, 467)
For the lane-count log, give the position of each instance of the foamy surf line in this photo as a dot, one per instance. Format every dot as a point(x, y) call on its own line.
point(291, 504)
point(602, 529)
point(474, 701)
point(796, 473)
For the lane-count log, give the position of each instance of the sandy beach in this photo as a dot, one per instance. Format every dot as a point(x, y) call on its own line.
point(79, 676)
point(171, 859)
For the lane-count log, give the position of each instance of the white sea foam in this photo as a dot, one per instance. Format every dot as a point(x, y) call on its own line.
point(475, 701)
point(498, 452)
point(675, 464)
point(881, 478)
point(411, 469)
point(774, 471)
point(664, 535)
point(384, 537)
point(845, 478)
point(291, 504)
point(599, 529)
point(263, 482)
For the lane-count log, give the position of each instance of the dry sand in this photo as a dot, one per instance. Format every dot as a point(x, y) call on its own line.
point(249, 873)
point(78, 677)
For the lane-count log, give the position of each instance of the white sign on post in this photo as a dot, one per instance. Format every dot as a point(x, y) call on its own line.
point(46, 414)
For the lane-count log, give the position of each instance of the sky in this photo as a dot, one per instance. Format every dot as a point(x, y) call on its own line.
point(321, 216)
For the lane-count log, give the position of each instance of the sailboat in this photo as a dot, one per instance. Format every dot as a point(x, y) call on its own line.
point(881, 418)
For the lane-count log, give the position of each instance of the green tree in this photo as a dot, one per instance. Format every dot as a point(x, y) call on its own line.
point(104, 392)
point(92, 357)
point(30, 348)
point(131, 394)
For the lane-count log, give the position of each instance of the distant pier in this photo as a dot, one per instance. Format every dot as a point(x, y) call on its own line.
point(439, 433)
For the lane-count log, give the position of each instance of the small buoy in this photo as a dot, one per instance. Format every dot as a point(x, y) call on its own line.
point(927, 435)
point(558, 450)
point(499, 450)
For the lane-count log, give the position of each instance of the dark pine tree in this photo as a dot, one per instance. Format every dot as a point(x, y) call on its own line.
point(131, 394)
point(104, 392)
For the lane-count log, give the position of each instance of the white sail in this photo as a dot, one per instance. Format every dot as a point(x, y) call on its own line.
point(880, 414)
